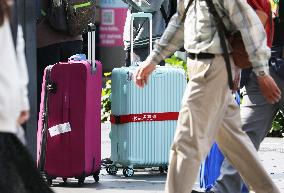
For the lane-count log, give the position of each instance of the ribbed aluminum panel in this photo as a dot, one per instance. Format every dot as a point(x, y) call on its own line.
point(145, 143)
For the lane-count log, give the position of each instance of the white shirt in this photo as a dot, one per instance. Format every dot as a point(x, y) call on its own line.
point(13, 79)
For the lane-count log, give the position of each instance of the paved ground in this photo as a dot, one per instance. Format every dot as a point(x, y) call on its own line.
point(271, 153)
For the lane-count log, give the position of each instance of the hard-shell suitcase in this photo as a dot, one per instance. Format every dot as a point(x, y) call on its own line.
point(144, 120)
point(69, 128)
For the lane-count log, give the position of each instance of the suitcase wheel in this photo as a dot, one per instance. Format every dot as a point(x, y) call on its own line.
point(128, 172)
point(107, 169)
point(161, 169)
point(96, 177)
point(49, 181)
point(112, 170)
point(166, 169)
point(81, 181)
point(64, 180)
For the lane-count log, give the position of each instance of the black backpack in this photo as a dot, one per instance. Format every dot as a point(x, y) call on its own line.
point(71, 16)
point(173, 10)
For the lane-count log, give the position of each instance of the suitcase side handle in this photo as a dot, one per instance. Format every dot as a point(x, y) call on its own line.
point(140, 15)
point(159, 74)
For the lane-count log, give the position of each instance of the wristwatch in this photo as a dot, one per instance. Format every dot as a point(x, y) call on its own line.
point(261, 73)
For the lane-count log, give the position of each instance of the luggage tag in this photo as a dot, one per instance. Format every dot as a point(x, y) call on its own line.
point(59, 129)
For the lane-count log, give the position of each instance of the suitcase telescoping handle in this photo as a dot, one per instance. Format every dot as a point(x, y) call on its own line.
point(140, 15)
point(92, 46)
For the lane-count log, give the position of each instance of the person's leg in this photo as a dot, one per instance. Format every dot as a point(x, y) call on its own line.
point(45, 56)
point(257, 116)
point(51, 55)
point(202, 111)
point(70, 48)
point(239, 150)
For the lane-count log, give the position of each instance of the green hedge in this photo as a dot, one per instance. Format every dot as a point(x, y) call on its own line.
point(105, 100)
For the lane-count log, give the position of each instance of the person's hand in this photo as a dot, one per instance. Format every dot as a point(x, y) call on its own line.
point(142, 74)
point(269, 89)
point(24, 116)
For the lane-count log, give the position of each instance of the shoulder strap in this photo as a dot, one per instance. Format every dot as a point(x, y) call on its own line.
point(173, 10)
point(164, 14)
point(217, 18)
point(222, 31)
point(186, 10)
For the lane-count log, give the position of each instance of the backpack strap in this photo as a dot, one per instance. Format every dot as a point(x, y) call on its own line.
point(222, 31)
point(164, 14)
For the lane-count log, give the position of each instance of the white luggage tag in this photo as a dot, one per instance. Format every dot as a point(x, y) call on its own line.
point(59, 129)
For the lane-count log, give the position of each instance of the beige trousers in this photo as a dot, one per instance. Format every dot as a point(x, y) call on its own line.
point(208, 113)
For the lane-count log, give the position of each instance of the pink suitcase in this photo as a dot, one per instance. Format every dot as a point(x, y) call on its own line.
point(69, 128)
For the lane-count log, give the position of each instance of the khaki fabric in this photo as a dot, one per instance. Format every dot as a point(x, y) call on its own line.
point(208, 113)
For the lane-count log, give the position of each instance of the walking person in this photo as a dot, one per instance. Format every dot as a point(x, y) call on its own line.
point(18, 172)
point(161, 11)
point(256, 113)
point(209, 111)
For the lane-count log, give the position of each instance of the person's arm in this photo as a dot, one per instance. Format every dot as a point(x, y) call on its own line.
point(172, 38)
point(171, 41)
point(145, 5)
point(247, 22)
point(9, 95)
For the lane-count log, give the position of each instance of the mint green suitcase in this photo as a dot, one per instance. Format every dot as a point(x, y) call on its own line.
point(144, 120)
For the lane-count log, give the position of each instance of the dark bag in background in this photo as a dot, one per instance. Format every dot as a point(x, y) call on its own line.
point(71, 16)
point(277, 65)
point(276, 61)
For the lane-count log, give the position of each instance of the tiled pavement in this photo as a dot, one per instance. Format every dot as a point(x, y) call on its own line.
point(271, 153)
